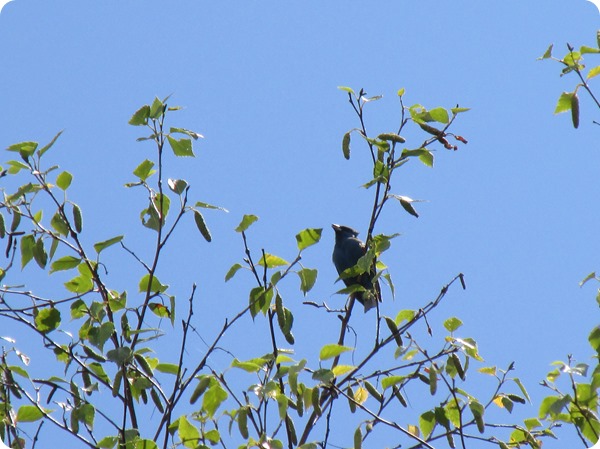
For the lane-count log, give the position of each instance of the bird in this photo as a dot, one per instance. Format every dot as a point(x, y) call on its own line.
point(347, 251)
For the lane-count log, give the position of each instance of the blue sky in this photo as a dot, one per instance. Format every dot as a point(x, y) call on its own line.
point(514, 210)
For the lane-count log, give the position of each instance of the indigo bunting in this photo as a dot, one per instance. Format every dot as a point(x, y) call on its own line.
point(346, 252)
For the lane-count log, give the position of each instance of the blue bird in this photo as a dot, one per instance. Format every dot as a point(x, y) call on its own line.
point(346, 252)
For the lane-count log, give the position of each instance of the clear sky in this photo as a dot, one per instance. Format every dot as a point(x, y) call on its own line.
point(515, 210)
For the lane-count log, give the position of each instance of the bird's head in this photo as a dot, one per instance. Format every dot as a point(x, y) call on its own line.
point(342, 231)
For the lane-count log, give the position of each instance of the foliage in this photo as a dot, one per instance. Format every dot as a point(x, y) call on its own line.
point(574, 402)
point(288, 393)
point(573, 63)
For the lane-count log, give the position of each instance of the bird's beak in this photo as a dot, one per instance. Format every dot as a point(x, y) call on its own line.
point(336, 227)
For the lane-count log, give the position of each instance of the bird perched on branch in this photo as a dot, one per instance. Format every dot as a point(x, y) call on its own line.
point(347, 251)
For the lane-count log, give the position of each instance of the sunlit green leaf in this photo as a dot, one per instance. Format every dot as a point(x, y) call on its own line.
point(151, 285)
point(308, 237)
point(144, 170)
point(64, 180)
point(271, 261)
point(100, 246)
point(140, 117)
point(332, 350)
point(246, 222)
point(47, 319)
point(188, 433)
point(59, 224)
point(30, 413)
point(548, 53)
point(181, 147)
point(308, 277)
point(213, 398)
point(64, 263)
point(27, 244)
point(564, 102)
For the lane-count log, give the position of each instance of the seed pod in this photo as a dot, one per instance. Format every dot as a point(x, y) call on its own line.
point(575, 110)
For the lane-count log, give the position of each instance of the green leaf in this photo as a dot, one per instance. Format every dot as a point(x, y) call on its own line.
point(323, 375)
point(332, 350)
point(357, 438)
point(478, 410)
point(157, 108)
point(548, 53)
point(77, 218)
point(108, 442)
point(451, 324)
point(439, 115)
point(249, 366)
point(64, 180)
point(151, 286)
point(45, 148)
point(27, 244)
point(242, 420)
point(177, 186)
point(64, 263)
point(346, 145)
point(16, 220)
point(140, 117)
point(59, 224)
point(213, 436)
point(79, 284)
point(406, 203)
point(594, 339)
point(39, 253)
point(390, 381)
point(30, 413)
point(489, 370)
point(78, 309)
point(100, 246)
point(146, 444)
point(194, 135)
point(213, 398)
point(394, 330)
point(470, 347)
point(188, 433)
point(144, 170)
point(159, 310)
point(98, 335)
point(246, 222)
point(210, 206)
point(25, 149)
point(201, 225)
point(308, 237)
point(167, 368)
point(181, 147)
point(564, 102)
point(346, 89)
point(234, 269)
point(404, 315)
point(401, 92)
point(585, 49)
point(271, 261)
point(47, 319)
point(308, 277)
point(120, 355)
point(522, 388)
point(427, 423)
point(85, 414)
